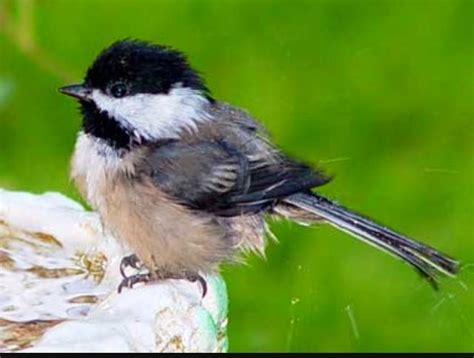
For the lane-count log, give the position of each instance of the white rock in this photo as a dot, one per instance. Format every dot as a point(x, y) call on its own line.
point(59, 274)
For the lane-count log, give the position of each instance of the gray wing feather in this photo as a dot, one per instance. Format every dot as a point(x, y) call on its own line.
point(229, 167)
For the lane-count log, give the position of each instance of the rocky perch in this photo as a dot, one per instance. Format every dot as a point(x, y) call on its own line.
point(59, 274)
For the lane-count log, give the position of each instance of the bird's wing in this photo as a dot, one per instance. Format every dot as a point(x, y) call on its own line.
point(216, 177)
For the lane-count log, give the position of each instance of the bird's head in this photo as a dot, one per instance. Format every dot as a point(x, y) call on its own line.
point(136, 92)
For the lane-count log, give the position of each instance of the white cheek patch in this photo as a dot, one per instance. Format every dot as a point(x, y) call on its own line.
point(156, 116)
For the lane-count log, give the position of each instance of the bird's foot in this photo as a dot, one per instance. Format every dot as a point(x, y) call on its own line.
point(130, 261)
point(186, 275)
point(134, 262)
point(130, 281)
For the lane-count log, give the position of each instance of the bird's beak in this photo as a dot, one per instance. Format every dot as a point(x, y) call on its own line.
point(78, 91)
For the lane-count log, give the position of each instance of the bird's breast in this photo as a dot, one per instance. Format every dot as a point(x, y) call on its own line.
point(96, 168)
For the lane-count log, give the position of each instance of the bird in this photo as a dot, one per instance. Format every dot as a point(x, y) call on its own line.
point(188, 182)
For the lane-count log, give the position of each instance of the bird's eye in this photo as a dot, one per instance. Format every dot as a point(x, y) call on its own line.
point(118, 90)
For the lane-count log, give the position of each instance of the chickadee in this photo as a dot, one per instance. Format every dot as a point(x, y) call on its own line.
point(187, 181)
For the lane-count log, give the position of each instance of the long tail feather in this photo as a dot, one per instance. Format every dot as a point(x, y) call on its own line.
point(428, 261)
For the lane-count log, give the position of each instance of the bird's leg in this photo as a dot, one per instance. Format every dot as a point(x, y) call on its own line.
point(129, 281)
point(130, 261)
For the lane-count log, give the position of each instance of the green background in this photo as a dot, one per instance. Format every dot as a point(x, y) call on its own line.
point(380, 93)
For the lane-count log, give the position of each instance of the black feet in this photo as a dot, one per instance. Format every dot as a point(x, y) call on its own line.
point(133, 262)
point(129, 261)
point(130, 281)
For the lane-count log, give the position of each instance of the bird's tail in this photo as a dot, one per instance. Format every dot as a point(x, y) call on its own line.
point(426, 260)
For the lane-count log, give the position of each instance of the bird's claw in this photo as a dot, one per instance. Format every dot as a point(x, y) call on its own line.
point(202, 282)
point(134, 262)
point(130, 281)
point(129, 261)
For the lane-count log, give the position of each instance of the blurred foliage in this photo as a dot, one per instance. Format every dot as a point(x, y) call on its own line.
point(380, 93)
